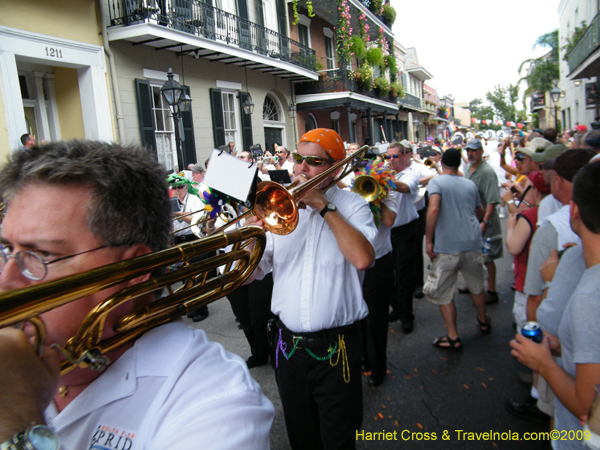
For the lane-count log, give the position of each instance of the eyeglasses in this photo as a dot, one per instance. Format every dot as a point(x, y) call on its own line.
point(33, 265)
point(311, 160)
point(183, 186)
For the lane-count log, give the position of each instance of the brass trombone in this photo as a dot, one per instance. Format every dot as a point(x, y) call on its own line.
point(277, 206)
point(367, 187)
point(86, 349)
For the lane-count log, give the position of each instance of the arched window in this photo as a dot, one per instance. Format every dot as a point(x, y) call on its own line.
point(310, 123)
point(271, 109)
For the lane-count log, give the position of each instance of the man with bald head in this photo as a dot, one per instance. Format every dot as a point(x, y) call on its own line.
point(317, 275)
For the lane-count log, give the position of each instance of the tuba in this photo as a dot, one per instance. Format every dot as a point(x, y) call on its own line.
point(188, 288)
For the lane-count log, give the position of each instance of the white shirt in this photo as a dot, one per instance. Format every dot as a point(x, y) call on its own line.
point(173, 389)
point(549, 205)
point(191, 203)
point(315, 287)
point(289, 166)
point(407, 212)
point(421, 171)
point(383, 243)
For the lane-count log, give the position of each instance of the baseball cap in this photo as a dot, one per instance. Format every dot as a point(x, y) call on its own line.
point(451, 157)
point(474, 144)
point(328, 139)
point(197, 168)
point(537, 179)
point(536, 145)
point(550, 152)
point(568, 163)
point(406, 144)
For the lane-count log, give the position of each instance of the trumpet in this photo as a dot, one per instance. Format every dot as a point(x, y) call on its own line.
point(429, 162)
point(367, 187)
point(86, 349)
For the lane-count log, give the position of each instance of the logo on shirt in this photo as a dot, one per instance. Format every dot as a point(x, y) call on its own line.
point(111, 438)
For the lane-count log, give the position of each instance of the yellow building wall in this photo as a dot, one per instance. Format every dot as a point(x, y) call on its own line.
point(4, 150)
point(68, 103)
point(69, 19)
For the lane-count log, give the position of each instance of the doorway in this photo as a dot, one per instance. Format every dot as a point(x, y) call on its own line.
point(272, 136)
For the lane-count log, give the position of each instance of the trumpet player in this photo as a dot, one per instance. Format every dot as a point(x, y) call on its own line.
point(317, 275)
point(66, 213)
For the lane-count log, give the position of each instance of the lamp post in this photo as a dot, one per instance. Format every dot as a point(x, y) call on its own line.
point(179, 102)
point(555, 95)
point(416, 123)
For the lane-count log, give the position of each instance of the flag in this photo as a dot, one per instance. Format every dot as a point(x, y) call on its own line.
point(447, 114)
point(452, 128)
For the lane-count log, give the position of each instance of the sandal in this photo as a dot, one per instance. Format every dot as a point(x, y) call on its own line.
point(446, 343)
point(485, 327)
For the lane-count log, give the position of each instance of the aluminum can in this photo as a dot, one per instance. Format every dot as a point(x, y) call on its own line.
point(532, 330)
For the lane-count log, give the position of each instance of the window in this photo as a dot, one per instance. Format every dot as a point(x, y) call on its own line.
point(310, 124)
point(335, 125)
point(270, 110)
point(230, 117)
point(162, 113)
point(329, 49)
point(303, 35)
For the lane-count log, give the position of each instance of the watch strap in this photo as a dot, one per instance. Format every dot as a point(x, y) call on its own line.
point(328, 207)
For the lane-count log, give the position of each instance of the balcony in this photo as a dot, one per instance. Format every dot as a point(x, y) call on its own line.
point(411, 101)
point(204, 23)
point(338, 80)
point(587, 45)
point(538, 101)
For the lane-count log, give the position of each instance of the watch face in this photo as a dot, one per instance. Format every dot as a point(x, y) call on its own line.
point(43, 438)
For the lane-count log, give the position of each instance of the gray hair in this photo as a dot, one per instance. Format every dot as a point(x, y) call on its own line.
point(130, 201)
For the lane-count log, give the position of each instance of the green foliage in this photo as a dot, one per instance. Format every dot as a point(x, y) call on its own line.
point(357, 47)
point(374, 56)
point(364, 77)
point(574, 39)
point(536, 120)
point(397, 89)
point(390, 62)
point(382, 84)
point(503, 100)
point(295, 9)
point(542, 71)
point(390, 14)
point(376, 6)
point(309, 7)
point(478, 111)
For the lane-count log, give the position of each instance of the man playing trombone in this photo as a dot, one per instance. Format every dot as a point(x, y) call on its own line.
point(317, 275)
point(72, 207)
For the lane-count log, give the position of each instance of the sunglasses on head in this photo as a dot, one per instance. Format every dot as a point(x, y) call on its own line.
point(310, 160)
point(520, 156)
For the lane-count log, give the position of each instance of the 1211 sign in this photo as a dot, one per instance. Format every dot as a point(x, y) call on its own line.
point(54, 52)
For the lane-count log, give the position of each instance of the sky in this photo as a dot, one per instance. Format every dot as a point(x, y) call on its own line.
point(470, 46)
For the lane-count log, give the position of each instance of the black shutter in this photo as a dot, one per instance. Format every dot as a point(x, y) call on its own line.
point(284, 50)
point(216, 110)
point(243, 24)
point(246, 123)
point(145, 115)
point(189, 144)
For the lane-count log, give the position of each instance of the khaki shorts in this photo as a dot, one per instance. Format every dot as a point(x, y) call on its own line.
point(495, 250)
point(442, 278)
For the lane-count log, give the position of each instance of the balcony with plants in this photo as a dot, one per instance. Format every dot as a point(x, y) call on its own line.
point(584, 41)
point(205, 21)
point(367, 66)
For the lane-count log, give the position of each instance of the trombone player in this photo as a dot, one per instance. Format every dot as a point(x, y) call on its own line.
point(317, 275)
point(72, 207)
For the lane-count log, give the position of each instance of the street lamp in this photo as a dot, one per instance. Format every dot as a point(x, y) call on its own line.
point(555, 95)
point(179, 102)
point(416, 123)
point(292, 110)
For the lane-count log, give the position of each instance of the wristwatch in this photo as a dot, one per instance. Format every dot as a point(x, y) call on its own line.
point(328, 207)
point(35, 437)
point(486, 222)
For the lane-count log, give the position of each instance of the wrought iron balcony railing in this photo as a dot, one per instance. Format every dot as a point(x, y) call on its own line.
point(588, 43)
point(340, 80)
point(411, 100)
point(201, 19)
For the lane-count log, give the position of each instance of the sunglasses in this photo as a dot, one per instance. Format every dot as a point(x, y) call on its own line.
point(311, 160)
point(183, 186)
point(520, 156)
point(279, 151)
point(392, 156)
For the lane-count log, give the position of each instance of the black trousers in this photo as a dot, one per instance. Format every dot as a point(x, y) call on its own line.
point(418, 255)
point(251, 305)
point(321, 410)
point(377, 287)
point(403, 244)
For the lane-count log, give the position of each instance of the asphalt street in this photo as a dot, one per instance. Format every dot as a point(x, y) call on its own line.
point(451, 398)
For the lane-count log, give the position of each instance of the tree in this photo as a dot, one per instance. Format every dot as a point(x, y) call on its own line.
point(543, 71)
point(503, 100)
point(478, 111)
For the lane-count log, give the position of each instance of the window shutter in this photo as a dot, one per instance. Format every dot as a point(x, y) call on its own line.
point(246, 123)
point(243, 24)
point(189, 144)
point(145, 115)
point(216, 109)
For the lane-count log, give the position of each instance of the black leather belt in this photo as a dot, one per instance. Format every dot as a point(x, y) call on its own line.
point(322, 338)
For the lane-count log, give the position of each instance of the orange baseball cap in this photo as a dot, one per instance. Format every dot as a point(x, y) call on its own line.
point(328, 139)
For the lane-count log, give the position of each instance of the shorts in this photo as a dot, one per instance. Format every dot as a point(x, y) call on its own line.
point(546, 401)
point(520, 310)
point(495, 252)
point(442, 278)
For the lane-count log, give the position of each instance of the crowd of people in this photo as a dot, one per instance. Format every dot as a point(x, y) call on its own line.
point(327, 292)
